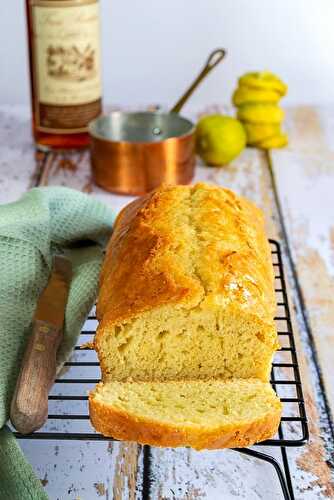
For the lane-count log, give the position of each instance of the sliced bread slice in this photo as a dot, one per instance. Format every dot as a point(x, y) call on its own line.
point(209, 414)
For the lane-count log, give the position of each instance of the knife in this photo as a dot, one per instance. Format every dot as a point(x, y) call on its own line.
point(29, 407)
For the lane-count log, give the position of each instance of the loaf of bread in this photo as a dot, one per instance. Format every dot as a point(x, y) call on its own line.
point(186, 295)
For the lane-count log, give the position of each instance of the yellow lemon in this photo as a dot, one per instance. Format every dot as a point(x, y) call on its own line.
point(245, 95)
point(256, 133)
point(277, 141)
point(219, 139)
point(260, 113)
point(263, 80)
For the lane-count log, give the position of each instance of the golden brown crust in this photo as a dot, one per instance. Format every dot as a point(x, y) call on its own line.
point(112, 422)
point(140, 271)
point(130, 282)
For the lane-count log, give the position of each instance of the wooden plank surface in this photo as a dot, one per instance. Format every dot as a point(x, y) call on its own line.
point(304, 176)
point(18, 166)
point(98, 470)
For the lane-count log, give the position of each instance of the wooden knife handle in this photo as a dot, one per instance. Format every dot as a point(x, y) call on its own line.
point(29, 408)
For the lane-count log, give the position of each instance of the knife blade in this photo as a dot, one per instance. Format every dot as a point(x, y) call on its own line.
point(29, 407)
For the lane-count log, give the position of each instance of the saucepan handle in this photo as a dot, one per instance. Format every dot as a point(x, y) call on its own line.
point(213, 60)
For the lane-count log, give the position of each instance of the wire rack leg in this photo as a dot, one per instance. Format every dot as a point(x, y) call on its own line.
point(284, 479)
point(287, 472)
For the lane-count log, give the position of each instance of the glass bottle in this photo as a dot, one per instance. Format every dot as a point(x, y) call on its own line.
point(65, 70)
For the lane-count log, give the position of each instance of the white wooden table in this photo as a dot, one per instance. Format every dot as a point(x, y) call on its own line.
point(295, 188)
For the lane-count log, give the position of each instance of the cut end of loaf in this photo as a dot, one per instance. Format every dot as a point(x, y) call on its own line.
point(172, 343)
point(208, 414)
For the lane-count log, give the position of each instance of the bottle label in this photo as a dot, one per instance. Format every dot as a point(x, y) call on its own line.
point(66, 62)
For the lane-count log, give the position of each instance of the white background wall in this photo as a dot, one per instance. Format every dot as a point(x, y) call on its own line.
point(152, 48)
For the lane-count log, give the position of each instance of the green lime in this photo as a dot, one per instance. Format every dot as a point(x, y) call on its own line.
point(219, 139)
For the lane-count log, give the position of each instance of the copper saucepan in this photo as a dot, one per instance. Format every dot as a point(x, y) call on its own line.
point(133, 153)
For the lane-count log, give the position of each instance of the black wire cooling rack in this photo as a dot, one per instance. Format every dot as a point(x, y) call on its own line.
point(82, 373)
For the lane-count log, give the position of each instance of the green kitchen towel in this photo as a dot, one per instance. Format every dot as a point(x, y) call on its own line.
point(43, 222)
